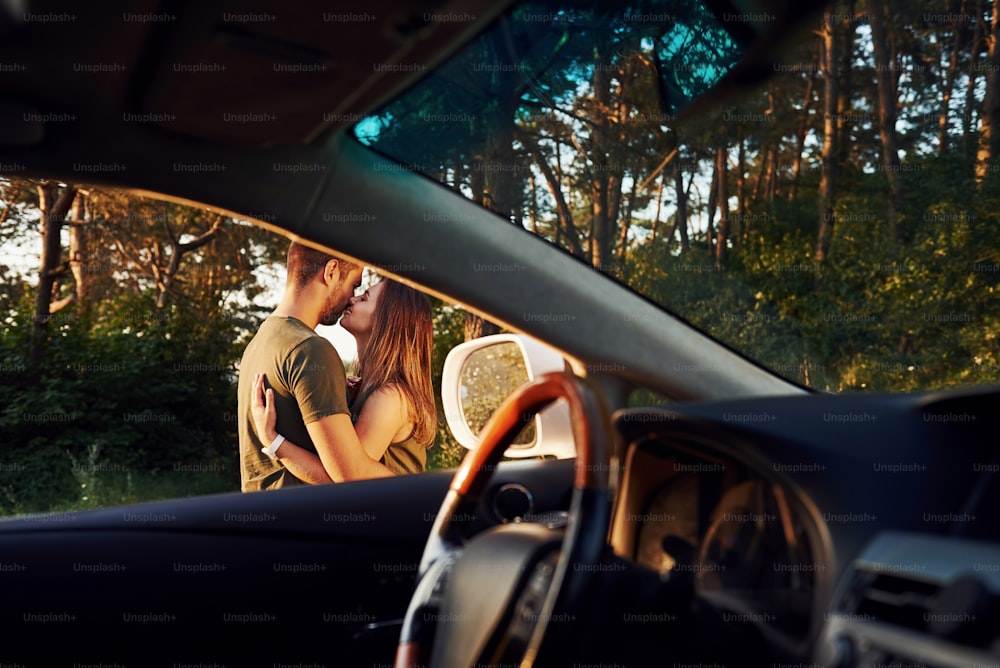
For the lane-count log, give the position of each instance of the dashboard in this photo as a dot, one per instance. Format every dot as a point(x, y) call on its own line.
point(845, 529)
point(746, 542)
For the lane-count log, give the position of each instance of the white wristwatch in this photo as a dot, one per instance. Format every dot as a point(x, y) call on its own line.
point(272, 450)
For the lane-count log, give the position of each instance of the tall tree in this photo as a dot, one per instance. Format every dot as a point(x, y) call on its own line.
point(830, 59)
point(803, 128)
point(681, 197)
point(959, 35)
point(722, 199)
point(886, 83)
point(54, 203)
point(989, 125)
point(970, 110)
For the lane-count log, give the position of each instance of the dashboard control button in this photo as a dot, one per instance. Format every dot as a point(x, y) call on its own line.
point(512, 502)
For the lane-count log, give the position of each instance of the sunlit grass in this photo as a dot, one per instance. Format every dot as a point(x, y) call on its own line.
point(114, 488)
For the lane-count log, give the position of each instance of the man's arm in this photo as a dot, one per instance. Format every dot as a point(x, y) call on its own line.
point(340, 450)
point(344, 458)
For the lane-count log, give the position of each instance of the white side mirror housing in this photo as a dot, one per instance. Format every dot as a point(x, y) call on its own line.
point(479, 374)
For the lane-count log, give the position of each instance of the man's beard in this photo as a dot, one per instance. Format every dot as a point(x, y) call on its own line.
point(332, 310)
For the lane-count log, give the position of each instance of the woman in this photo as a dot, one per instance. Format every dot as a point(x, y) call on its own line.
point(392, 403)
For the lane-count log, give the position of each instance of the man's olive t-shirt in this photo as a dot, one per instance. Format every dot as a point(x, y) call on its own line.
point(307, 376)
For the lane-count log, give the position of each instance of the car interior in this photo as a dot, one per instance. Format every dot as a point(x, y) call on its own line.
point(747, 520)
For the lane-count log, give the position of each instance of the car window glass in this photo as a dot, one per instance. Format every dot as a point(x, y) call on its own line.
point(833, 224)
point(127, 391)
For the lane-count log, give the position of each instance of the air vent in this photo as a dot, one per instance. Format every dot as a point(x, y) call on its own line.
point(890, 598)
point(915, 600)
point(963, 611)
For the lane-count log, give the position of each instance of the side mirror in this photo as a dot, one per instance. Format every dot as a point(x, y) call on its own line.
point(479, 374)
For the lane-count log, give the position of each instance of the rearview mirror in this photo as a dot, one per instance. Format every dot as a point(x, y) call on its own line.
point(479, 374)
point(692, 53)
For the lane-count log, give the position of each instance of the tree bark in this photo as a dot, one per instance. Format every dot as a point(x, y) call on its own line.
point(760, 188)
point(54, 204)
point(989, 124)
point(829, 62)
point(800, 137)
point(739, 230)
point(772, 174)
point(970, 111)
point(564, 215)
point(885, 82)
point(722, 235)
point(165, 278)
point(948, 83)
point(476, 327)
point(713, 198)
point(681, 216)
point(659, 211)
point(626, 224)
point(607, 173)
point(79, 253)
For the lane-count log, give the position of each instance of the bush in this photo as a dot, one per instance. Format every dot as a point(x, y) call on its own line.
point(146, 399)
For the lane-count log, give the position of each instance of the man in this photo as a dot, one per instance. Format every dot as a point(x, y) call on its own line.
point(308, 381)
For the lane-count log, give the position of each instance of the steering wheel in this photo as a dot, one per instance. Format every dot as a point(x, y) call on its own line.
point(510, 593)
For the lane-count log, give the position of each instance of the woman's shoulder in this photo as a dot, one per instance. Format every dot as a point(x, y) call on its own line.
point(390, 396)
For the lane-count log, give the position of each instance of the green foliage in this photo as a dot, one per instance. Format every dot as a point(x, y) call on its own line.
point(147, 394)
point(132, 394)
point(904, 306)
point(449, 323)
point(878, 315)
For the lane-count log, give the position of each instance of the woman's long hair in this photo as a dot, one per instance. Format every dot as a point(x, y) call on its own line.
point(399, 353)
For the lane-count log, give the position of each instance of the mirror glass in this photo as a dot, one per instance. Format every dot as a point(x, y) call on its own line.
point(490, 375)
point(692, 53)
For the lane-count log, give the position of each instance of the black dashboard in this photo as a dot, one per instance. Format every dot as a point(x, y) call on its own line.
point(827, 525)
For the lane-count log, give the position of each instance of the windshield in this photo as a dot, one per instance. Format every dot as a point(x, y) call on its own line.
point(838, 225)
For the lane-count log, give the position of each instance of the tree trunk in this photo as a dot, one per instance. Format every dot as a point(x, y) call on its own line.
point(53, 205)
point(79, 253)
point(829, 62)
point(607, 171)
point(772, 174)
point(760, 189)
point(564, 215)
point(499, 184)
point(970, 111)
point(722, 236)
point(77, 261)
point(885, 81)
point(626, 224)
point(165, 278)
point(948, 84)
point(598, 241)
point(476, 327)
point(772, 166)
point(739, 230)
point(533, 207)
point(659, 210)
point(800, 137)
point(681, 194)
point(713, 198)
point(989, 124)
point(499, 191)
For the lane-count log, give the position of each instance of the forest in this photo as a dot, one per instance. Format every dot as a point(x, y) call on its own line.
point(841, 225)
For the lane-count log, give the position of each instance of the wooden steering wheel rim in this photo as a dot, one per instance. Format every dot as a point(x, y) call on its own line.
point(592, 436)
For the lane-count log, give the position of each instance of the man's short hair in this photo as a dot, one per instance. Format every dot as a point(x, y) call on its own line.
point(304, 262)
